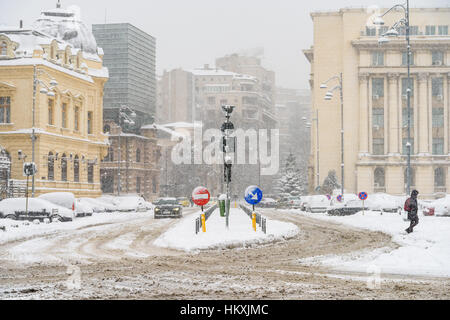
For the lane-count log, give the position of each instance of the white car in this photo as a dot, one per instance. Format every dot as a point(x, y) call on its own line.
point(83, 207)
point(127, 203)
point(317, 203)
point(66, 200)
point(15, 208)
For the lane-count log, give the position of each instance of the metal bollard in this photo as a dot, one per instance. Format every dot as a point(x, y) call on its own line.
point(197, 225)
point(203, 222)
point(254, 221)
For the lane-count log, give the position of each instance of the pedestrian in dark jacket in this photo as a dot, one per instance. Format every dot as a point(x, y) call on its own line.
point(411, 207)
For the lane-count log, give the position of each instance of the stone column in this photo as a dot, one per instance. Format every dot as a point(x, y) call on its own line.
point(424, 147)
point(363, 114)
point(394, 127)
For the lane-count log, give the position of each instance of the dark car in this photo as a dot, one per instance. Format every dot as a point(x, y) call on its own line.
point(167, 208)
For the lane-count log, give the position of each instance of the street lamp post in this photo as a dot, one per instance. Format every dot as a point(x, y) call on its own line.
point(393, 32)
point(126, 115)
point(47, 90)
point(228, 147)
point(328, 96)
point(308, 125)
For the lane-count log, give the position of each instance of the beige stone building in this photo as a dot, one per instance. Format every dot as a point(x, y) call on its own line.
point(68, 113)
point(374, 87)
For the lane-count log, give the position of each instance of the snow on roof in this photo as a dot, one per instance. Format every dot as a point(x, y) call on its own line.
point(219, 72)
point(39, 61)
point(65, 24)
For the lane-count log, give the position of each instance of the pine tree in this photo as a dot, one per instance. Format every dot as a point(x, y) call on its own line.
point(330, 183)
point(292, 180)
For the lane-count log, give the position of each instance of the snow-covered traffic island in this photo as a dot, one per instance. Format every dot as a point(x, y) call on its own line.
point(239, 233)
point(425, 252)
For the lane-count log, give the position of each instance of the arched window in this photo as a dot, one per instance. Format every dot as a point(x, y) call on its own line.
point(138, 155)
point(76, 169)
point(51, 167)
point(379, 177)
point(439, 177)
point(3, 48)
point(90, 173)
point(63, 167)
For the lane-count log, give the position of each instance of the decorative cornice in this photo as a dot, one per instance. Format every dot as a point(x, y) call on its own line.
point(416, 44)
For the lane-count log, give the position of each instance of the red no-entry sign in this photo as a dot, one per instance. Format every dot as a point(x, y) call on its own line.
point(200, 196)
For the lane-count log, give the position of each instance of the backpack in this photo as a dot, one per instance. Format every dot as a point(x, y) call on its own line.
point(407, 206)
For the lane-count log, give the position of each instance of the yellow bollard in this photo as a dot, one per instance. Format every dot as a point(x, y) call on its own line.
point(254, 221)
point(203, 222)
point(235, 204)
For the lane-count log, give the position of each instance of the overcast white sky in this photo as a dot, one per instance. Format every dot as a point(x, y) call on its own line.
point(191, 33)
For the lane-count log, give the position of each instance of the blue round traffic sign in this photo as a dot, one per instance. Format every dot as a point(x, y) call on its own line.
point(339, 198)
point(362, 195)
point(253, 194)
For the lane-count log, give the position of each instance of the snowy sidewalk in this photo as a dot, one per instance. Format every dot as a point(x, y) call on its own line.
point(240, 233)
point(426, 251)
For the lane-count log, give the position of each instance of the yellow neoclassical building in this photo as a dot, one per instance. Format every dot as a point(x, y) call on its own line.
point(65, 111)
point(374, 99)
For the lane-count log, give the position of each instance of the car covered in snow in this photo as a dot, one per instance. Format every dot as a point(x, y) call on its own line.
point(347, 208)
point(167, 208)
point(384, 202)
point(268, 203)
point(317, 203)
point(83, 208)
point(68, 201)
point(441, 206)
point(15, 208)
point(126, 203)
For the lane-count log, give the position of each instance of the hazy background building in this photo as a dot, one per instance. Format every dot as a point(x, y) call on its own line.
point(129, 54)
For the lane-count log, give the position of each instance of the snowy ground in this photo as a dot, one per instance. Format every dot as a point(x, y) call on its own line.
point(425, 252)
point(239, 234)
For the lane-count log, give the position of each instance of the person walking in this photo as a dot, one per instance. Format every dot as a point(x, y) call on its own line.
point(411, 207)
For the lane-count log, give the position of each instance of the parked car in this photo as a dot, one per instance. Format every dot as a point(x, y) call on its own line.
point(15, 208)
point(126, 203)
point(184, 201)
point(317, 203)
point(167, 208)
point(348, 208)
point(303, 202)
point(66, 200)
point(268, 203)
point(84, 207)
point(384, 202)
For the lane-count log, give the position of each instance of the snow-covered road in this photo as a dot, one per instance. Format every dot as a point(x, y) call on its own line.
point(115, 257)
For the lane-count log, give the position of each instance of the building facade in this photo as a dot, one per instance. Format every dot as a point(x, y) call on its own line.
point(374, 99)
point(65, 111)
point(129, 54)
point(137, 163)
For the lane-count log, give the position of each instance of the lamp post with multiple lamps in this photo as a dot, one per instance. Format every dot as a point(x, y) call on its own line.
point(126, 116)
point(308, 125)
point(394, 32)
point(328, 96)
point(48, 90)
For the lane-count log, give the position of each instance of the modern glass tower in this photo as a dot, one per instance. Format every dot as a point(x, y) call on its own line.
point(129, 54)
